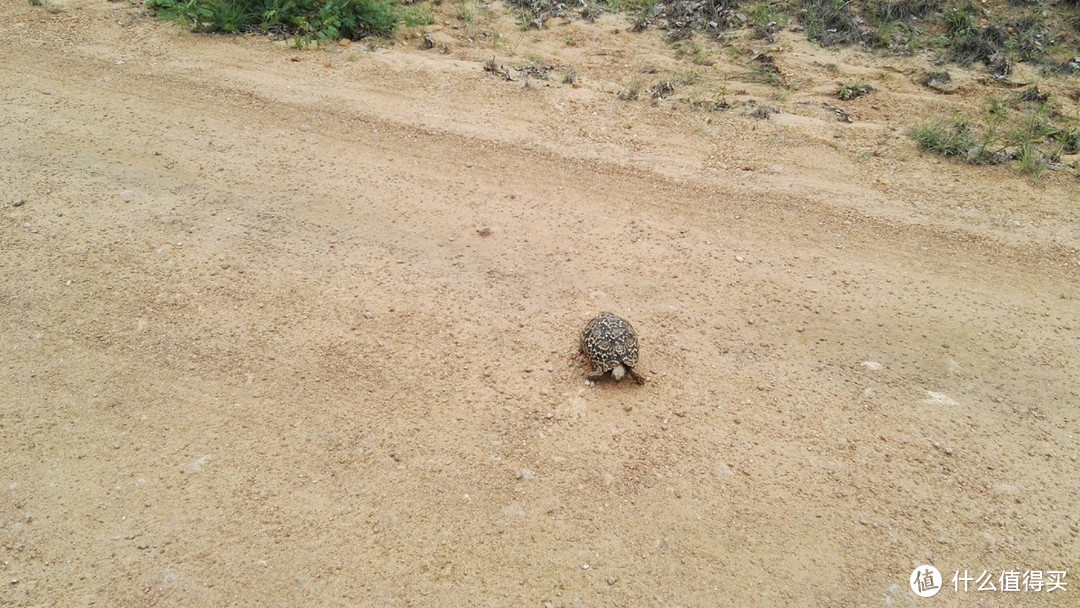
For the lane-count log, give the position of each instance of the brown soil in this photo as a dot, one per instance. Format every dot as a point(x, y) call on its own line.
point(299, 327)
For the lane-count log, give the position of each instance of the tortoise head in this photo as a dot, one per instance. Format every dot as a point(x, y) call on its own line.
point(618, 372)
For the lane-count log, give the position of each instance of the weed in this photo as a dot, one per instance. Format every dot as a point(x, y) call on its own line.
point(830, 22)
point(902, 10)
point(1032, 161)
point(695, 52)
point(887, 34)
point(766, 71)
point(36, 2)
point(308, 20)
point(1068, 138)
point(1032, 94)
point(527, 19)
point(634, 8)
point(688, 78)
point(465, 14)
point(950, 138)
point(1038, 137)
point(960, 20)
point(418, 15)
point(1036, 126)
point(1031, 37)
point(762, 13)
point(632, 90)
point(997, 110)
point(854, 90)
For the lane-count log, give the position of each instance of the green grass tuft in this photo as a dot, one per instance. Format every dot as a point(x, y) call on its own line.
point(308, 20)
point(950, 138)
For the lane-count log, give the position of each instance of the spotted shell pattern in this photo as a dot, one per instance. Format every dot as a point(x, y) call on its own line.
point(609, 341)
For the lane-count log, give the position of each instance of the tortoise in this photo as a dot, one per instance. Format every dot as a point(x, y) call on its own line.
point(611, 346)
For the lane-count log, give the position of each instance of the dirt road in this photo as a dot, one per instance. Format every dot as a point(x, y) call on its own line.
point(299, 328)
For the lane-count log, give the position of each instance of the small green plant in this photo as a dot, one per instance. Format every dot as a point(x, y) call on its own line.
point(1068, 138)
point(36, 2)
point(688, 78)
point(466, 14)
point(997, 110)
point(996, 113)
point(695, 52)
point(960, 21)
point(854, 90)
point(950, 138)
point(1032, 161)
point(765, 71)
point(762, 13)
point(1035, 127)
point(418, 15)
point(885, 34)
point(528, 18)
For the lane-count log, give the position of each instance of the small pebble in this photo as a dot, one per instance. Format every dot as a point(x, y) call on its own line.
point(17, 201)
point(739, 258)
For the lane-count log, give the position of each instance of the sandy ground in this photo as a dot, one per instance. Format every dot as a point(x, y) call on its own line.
point(299, 328)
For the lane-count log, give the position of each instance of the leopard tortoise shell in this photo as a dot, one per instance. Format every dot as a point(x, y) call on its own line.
point(611, 346)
